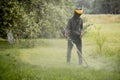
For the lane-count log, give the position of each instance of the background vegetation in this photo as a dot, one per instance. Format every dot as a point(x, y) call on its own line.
point(46, 18)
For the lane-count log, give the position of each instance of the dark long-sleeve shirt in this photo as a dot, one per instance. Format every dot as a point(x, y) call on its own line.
point(74, 26)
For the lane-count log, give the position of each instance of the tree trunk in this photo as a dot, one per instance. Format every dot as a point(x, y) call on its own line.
point(10, 37)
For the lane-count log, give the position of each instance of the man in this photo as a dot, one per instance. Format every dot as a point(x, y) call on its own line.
point(74, 33)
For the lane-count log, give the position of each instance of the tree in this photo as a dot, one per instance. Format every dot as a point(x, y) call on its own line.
point(8, 16)
point(107, 6)
point(34, 18)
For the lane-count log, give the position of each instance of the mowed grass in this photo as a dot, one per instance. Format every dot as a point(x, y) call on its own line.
point(50, 53)
point(47, 60)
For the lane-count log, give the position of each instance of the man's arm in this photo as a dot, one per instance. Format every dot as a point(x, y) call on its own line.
point(67, 29)
point(81, 29)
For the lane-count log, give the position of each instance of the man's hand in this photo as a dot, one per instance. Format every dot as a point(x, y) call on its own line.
point(66, 34)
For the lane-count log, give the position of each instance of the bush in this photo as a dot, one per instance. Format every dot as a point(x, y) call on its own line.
point(100, 40)
point(27, 43)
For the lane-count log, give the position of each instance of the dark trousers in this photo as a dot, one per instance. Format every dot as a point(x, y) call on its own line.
point(78, 44)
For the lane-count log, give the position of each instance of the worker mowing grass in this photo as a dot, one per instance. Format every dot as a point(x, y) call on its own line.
point(73, 32)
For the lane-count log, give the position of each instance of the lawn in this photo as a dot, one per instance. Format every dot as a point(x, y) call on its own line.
point(47, 60)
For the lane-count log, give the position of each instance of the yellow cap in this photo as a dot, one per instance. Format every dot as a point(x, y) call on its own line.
point(79, 11)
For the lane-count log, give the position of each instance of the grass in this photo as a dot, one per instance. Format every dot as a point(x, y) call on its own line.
point(47, 60)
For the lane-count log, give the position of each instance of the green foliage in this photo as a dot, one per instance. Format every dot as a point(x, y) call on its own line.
point(31, 19)
point(106, 6)
point(99, 6)
point(53, 22)
point(45, 18)
point(27, 43)
point(86, 25)
point(100, 39)
point(34, 18)
point(8, 15)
